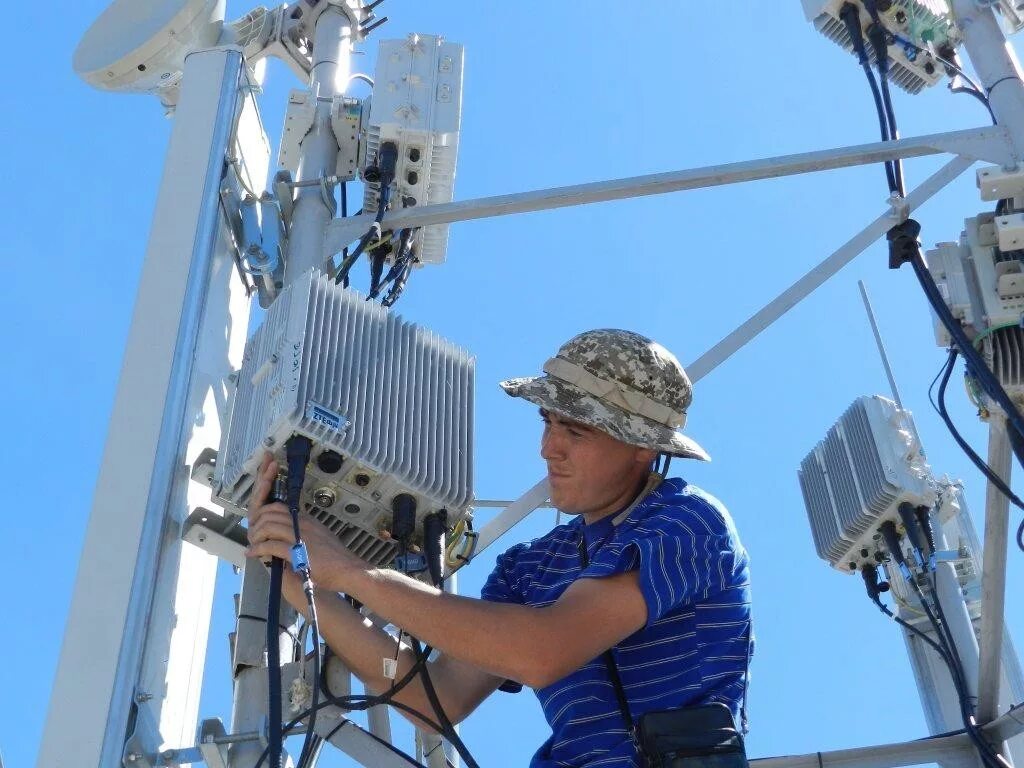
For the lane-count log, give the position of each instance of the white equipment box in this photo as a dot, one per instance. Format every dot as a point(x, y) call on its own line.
point(927, 24)
point(856, 478)
point(983, 284)
point(387, 404)
point(417, 104)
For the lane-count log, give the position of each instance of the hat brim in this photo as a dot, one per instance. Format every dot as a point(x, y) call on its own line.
point(571, 402)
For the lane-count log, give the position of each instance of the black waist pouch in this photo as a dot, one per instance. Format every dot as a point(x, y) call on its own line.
point(691, 737)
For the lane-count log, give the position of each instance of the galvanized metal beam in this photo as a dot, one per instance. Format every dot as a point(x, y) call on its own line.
point(990, 144)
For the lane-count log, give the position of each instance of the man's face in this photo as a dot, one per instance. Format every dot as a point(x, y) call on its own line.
point(590, 472)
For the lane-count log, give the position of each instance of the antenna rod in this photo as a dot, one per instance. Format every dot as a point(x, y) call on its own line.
point(881, 346)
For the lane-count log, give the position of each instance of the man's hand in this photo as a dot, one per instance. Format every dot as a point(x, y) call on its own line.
point(271, 535)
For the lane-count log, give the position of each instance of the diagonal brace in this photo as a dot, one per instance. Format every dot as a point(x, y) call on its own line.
point(803, 287)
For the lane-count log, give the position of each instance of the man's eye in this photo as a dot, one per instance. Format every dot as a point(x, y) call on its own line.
point(575, 433)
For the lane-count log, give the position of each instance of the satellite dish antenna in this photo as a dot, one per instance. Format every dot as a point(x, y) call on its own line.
point(139, 46)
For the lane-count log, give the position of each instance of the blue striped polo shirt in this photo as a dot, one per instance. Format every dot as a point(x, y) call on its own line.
point(694, 648)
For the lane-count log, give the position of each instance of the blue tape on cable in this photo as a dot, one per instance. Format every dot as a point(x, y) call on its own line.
point(300, 557)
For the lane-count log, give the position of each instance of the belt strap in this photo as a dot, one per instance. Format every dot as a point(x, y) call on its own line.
point(609, 662)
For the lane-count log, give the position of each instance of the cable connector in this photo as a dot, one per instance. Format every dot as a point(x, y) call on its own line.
point(892, 541)
point(300, 558)
point(850, 16)
point(872, 584)
point(911, 523)
point(904, 243)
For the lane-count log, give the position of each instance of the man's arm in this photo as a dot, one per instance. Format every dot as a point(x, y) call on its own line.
point(360, 645)
point(535, 646)
point(363, 648)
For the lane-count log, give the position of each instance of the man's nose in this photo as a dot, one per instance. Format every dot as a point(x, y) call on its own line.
point(551, 446)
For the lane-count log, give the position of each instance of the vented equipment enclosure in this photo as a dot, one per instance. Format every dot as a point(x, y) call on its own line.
point(855, 479)
point(387, 404)
point(925, 23)
point(417, 104)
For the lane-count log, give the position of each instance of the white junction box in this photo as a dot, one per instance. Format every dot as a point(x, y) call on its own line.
point(1010, 233)
point(417, 104)
point(982, 277)
point(997, 183)
point(387, 404)
point(927, 24)
point(855, 479)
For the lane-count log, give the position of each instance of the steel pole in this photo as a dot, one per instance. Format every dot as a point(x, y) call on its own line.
point(312, 213)
point(997, 66)
point(993, 576)
point(318, 160)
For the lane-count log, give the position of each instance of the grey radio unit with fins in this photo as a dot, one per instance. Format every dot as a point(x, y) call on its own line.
point(387, 404)
point(853, 481)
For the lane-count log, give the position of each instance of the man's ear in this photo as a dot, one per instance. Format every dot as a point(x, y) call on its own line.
point(646, 456)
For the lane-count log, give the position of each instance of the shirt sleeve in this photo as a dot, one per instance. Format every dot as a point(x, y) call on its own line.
point(682, 555)
point(502, 586)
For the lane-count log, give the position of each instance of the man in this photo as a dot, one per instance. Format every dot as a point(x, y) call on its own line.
point(665, 582)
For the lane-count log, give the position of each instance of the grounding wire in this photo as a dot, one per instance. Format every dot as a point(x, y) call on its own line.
point(973, 89)
point(980, 463)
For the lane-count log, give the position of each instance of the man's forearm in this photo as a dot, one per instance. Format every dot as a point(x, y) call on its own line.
point(504, 640)
point(363, 647)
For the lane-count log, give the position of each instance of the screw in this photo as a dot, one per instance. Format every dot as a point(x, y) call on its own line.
point(142, 697)
point(269, 442)
point(132, 757)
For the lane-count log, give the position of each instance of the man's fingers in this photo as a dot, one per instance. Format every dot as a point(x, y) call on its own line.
point(264, 480)
point(272, 530)
point(274, 509)
point(268, 549)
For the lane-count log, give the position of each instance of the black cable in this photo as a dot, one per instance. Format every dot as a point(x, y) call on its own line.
point(447, 731)
point(905, 247)
point(850, 16)
point(344, 215)
point(275, 736)
point(298, 449)
point(281, 627)
point(952, 68)
point(988, 754)
point(372, 234)
point(971, 91)
point(293, 723)
point(877, 33)
point(980, 463)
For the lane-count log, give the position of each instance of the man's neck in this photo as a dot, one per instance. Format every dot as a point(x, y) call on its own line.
point(625, 501)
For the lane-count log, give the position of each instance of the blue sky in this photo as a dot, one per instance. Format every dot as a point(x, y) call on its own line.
point(555, 93)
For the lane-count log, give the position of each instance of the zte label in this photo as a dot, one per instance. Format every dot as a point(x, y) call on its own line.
point(328, 418)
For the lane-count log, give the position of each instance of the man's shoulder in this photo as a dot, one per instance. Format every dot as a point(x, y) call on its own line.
point(557, 538)
point(676, 505)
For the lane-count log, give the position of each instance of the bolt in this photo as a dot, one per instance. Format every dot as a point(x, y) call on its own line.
point(142, 697)
point(269, 442)
point(132, 757)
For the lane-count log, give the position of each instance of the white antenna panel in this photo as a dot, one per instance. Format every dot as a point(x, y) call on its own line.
point(855, 479)
point(417, 103)
point(387, 404)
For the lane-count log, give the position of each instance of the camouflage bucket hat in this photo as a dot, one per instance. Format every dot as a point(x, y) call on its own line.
point(621, 383)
